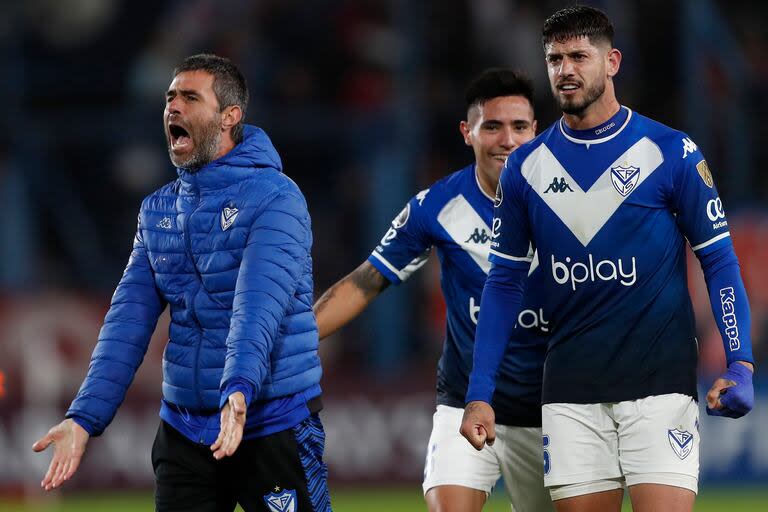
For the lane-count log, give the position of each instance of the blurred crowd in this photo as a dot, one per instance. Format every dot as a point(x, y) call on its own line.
point(362, 98)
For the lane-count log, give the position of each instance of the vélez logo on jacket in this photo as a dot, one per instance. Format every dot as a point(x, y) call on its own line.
point(228, 216)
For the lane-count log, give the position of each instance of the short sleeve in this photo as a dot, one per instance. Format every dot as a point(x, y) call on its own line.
point(405, 246)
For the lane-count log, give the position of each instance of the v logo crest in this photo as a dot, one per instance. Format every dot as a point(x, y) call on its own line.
point(228, 216)
point(585, 213)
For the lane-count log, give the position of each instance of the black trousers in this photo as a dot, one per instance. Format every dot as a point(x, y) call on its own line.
point(282, 472)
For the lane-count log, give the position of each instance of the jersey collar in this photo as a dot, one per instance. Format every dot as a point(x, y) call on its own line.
point(603, 133)
point(479, 186)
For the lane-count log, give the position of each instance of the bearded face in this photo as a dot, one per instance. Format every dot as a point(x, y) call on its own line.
point(192, 144)
point(193, 121)
point(577, 72)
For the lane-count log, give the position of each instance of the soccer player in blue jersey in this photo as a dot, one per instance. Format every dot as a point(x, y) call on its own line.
point(454, 216)
point(610, 199)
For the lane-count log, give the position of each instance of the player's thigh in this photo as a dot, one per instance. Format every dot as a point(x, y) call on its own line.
point(455, 498)
point(580, 444)
point(451, 460)
point(659, 441)
point(603, 501)
point(652, 497)
point(187, 478)
point(284, 471)
point(521, 458)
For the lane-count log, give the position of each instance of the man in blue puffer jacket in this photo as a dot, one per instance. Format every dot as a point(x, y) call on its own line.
point(227, 247)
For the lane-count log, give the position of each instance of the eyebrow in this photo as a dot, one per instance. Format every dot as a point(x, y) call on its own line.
point(571, 53)
point(513, 121)
point(183, 92)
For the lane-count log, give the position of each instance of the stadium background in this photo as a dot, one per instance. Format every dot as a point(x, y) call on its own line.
point(362, 99)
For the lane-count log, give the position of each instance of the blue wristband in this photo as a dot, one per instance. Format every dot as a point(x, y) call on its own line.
point(737, 400)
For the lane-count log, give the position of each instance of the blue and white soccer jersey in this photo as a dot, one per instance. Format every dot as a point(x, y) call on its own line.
point(609, 211)
point(454, 216)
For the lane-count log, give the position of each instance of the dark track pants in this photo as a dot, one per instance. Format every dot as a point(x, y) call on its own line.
point(281, 472)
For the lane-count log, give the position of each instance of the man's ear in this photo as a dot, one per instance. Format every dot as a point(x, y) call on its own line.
point(614, 62)
point(464, 129)
point(231, 116)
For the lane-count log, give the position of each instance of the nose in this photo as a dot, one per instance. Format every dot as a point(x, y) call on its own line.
point(172, 106)
point(507, 140)
point(566, 67)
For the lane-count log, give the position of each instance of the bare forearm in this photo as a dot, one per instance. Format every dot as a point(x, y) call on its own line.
point(346, 299)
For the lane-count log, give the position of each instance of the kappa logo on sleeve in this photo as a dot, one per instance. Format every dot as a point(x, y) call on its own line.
point(728, 304)
point(689, 147)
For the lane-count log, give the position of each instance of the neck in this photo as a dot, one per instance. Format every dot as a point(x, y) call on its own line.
point(225, 146)
point(596, 114)
point(488, 181)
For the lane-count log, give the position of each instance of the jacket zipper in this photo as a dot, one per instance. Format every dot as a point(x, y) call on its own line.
point(193, 313)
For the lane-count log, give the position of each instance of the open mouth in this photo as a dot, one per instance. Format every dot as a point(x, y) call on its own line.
point(568, 87)
point(180, 138)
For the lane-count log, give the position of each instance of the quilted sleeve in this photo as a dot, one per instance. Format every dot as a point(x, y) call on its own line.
point(274, 258)
point(123, 341)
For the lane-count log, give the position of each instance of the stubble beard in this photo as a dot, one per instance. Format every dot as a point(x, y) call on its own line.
point(577, 108)
point(206, 146)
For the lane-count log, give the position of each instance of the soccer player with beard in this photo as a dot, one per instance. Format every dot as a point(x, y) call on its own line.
point(454, 216)
point(610, 199)
point(227, 247)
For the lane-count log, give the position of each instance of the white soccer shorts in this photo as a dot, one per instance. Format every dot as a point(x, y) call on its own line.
point(516, 454)
point(598, 447)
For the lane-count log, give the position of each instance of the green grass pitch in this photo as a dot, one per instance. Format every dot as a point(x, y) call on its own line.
point(371, 500)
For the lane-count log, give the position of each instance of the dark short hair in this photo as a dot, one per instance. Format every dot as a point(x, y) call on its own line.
point(228, 84)
point(496, 82)
point(578, 21)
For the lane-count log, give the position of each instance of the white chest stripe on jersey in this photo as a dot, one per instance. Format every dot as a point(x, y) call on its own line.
point(459, 219)
point(585, 213)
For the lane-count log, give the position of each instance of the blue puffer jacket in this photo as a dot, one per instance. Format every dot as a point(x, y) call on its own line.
point(228, 249)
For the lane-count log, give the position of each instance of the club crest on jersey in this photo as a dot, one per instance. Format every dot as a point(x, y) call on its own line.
point(704, 172)
point(228, 216)
point(681, 442)
point(624, 179)
point(283, 502)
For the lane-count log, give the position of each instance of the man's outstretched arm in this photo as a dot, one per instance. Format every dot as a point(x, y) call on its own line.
point(346, 299)
point(123, 341)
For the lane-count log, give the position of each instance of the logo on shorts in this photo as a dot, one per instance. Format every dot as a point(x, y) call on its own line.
point(283, 502)
point(681, 442)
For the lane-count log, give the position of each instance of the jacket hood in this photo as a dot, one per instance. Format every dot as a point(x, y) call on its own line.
point(254, 152)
